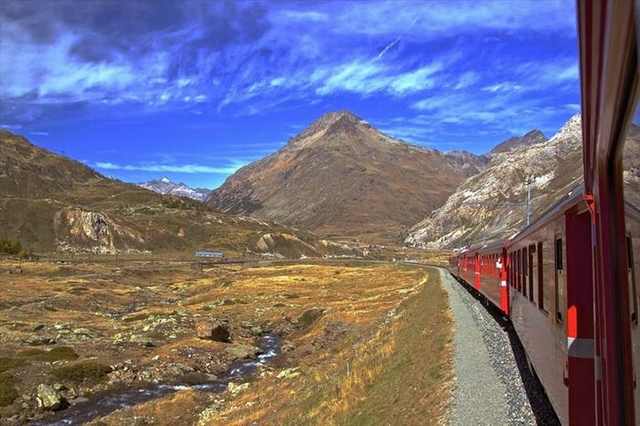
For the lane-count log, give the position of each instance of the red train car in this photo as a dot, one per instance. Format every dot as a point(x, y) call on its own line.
point(484, 267)
point(572, 294)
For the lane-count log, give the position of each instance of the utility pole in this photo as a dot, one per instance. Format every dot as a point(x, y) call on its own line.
point(529, 212)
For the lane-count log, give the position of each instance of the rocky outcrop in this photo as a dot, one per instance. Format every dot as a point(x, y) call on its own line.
point(93, 230)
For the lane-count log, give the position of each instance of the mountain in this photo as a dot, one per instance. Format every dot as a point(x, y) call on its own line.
point(51, 203)
point(167, 187)
point(492, 204)
point(530, 138)
point(342, 177)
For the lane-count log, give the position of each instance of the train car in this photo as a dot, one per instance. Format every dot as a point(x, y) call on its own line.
point(484, 267)
point(610, 85)
point(573, 295)
point(550, 311)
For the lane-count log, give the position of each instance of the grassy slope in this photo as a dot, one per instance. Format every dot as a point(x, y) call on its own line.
point(411, 388)
point(395, 372)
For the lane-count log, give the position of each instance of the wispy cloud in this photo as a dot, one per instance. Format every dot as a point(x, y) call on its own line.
point(173, 168)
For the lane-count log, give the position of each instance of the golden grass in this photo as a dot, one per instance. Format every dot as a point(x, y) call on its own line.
point(398, 369)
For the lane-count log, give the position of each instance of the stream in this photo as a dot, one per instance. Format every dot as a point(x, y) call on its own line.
point(101, 405)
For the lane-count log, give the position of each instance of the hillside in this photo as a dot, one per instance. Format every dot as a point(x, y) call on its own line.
point(51, 203)
point(492, 204)
point(342, 177)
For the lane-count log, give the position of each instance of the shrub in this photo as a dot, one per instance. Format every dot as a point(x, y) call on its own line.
point(55, 354)
point(7, 364)
point(10, 247)
point(8, 392)
point(86, 371)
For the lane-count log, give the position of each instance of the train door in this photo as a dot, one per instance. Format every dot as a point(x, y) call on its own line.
point(580, 376)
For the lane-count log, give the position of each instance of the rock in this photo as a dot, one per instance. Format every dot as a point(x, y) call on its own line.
point(38, 327)
point(49, 399)
point(242, 351)
point(309, 317)
point(142, 340)
point(236, 389)
point(257, 330)
point(213, 330)
point(40, 341)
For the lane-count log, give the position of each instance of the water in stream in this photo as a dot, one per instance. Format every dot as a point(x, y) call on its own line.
point(101, 405)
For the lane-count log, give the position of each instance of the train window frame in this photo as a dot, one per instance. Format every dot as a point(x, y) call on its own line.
point(632, 280)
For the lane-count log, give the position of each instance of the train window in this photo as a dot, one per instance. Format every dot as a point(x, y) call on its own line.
point(558, 251)
point(532, 267)
point(559, 281)
point(632, 281)
point(540, 277)
point(525, 269)
point(517, 271)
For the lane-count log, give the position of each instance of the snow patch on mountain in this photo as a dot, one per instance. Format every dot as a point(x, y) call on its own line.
point(165, 186)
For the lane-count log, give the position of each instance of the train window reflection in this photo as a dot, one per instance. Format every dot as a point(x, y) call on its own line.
point(631, 179)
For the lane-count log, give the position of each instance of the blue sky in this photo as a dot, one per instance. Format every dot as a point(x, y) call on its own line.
point(193, 90)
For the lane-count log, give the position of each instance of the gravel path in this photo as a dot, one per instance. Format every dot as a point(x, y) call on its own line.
point(493, 386)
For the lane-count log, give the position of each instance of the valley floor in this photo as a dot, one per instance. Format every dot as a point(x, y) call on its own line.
point(362, 343)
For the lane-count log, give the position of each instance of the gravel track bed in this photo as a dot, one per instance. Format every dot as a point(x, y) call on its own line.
point(493, 384)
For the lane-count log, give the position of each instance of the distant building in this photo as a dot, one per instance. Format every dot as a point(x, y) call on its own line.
point(208, 253)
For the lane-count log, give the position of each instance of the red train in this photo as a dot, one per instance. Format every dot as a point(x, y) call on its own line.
point(568, 281)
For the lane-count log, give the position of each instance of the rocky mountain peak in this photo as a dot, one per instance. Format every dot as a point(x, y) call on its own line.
point(570, 130)
point(530, 138)
point(339, 123)
point(166, 186)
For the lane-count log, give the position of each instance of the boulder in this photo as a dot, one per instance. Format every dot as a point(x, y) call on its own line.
point(50, 399)
point(213, 330)
point(309, 317)
point(240, 351)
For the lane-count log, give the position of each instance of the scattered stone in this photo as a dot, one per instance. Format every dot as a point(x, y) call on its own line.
point(38, 327)
point(288, 373)
point(239, 351)
point(257, 330)
point(235, 389)
point(213, 330)
point(50, 399)
point(40, 341)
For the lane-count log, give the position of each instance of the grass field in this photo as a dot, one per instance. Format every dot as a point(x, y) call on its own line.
point(362, 342)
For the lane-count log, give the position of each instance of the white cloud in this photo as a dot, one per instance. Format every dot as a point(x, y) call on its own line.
point(174, 168)
point(467, 79)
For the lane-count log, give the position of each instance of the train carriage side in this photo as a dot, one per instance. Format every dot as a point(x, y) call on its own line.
point(484, 267)
point(492, 268)
point(551, 304)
